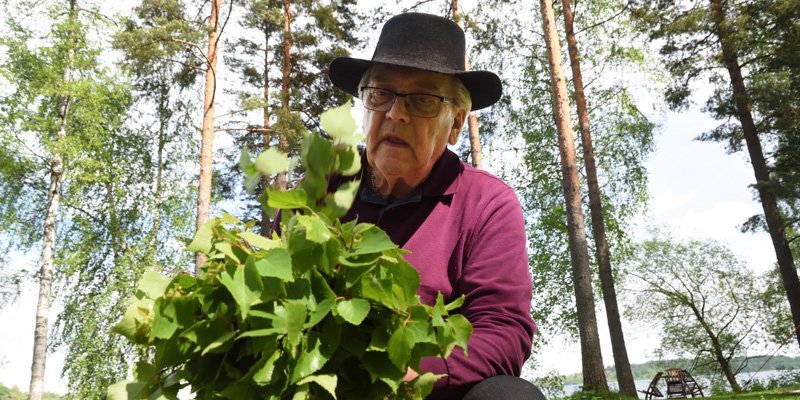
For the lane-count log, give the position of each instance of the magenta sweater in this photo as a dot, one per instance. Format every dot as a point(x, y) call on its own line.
point(466, 234)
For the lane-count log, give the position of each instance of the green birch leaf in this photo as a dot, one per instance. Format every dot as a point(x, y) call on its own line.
point(322, 310)
point(317, 156)
point(462, 330)
point(244, 285)
point(423, 385)
point(407, 278)
point(349, 161)
point(246, 163)
point(311, 359)
point(251, 182)
point(276, 263)
point(202, 239)
point(288, 200)
point(438, 311)
point(455, 304)
point(353, 310)
point(338, 122)
point(301, 393)
point(133, 324)
point(228, 219)
point(316, 230)
point(259, 241)
point(400, 345)
point(164, 319)
point(125, 390)
point(271, 162)
point(290, 318)
point(327, 382)
point(380, 366)
point(227, 249)
point(371, 240)
point(344, 196)
point(218, 343)
point(153, 284)
point(259, 333)
point(263, 375)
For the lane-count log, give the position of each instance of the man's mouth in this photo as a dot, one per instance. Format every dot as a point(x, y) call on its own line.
point(394, 140)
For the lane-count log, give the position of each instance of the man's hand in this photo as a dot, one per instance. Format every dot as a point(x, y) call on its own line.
point(410, 375)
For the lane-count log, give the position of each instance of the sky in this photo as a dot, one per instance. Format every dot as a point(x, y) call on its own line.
point(697, 190)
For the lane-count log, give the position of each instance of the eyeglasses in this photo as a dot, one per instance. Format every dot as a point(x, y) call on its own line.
point(418, 104)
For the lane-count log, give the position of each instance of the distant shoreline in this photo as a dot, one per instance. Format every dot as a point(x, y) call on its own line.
point(646, 371)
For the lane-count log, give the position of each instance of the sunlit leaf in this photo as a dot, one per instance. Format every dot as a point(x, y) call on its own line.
point(271, 162)
point(353, 310)
point(338, 122)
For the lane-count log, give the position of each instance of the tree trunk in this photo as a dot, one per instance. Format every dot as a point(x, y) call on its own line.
point(47, 259)
point(285, 80)
point(775, 222)
point(621, 363)
point(207, 142)
point(266, 223)
point(472, 120)
point(594, 377)
point(724, 362)
point(163, 117)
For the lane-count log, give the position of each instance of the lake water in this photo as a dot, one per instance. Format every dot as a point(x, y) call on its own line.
point(704, 382)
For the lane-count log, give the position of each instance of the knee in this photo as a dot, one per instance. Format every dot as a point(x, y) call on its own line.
point(504, 387)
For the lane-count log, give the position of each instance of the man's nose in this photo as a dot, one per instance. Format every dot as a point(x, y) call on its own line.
point(399, 111)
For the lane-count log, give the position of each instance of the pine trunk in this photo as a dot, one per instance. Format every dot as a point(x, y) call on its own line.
point(283, 142)
point(207, 141)
point(266, 223)
point(621, 362)
point(472, 120)
point(775, 222)
point(594, 377)
point(47, 259)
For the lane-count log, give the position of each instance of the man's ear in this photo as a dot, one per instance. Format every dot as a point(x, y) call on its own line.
point(458, 122)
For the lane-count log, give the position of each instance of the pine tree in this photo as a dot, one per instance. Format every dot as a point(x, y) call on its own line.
point(207, 139)
point(594, 377)
point(621, 363)
point(282, 63)
point(703, 36)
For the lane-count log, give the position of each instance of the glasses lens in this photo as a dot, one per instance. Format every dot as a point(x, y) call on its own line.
point(424, 105)
point(377, 99)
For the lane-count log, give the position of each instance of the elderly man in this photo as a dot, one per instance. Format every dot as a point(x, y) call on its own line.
point(463, 227)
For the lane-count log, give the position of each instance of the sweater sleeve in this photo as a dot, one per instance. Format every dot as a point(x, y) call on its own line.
point(497, 288)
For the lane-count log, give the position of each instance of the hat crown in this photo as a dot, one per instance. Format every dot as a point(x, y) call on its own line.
point(423, 41)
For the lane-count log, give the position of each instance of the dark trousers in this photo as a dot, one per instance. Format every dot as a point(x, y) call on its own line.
point(504, 387)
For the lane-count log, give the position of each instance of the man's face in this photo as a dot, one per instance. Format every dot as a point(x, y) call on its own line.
point(403, 146)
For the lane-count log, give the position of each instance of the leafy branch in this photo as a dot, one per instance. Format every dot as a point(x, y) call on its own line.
point(321, 310)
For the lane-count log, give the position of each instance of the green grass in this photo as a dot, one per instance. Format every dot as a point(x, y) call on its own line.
point(762, 395)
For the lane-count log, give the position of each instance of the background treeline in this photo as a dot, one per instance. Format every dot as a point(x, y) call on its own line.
point(121, 126)
point(646, 371)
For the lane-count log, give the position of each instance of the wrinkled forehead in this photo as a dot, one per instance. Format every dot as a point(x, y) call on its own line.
point(406, 79)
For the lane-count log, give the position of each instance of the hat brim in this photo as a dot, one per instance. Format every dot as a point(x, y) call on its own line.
point(484, 87)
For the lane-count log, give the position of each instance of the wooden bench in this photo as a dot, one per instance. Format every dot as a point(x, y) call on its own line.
point(652, 390)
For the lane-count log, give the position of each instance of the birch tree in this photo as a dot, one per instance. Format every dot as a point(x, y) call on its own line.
point(705, 300)
point(48, 111)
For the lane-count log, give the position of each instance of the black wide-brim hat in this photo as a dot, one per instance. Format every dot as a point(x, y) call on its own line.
point(422, 41)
